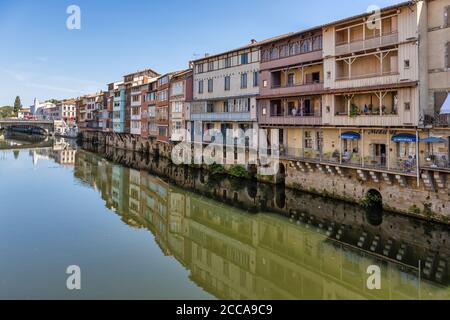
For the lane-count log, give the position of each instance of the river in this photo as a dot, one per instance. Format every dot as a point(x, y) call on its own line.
point(140, 228)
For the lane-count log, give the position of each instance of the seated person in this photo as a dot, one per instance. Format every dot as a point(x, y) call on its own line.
point(294, 111)
point(346, 156)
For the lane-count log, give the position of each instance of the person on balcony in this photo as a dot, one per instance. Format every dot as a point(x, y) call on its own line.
point(346, 156)
point(366, 109)
point(294, 111)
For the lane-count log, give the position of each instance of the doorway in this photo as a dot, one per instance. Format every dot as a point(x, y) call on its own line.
point(379, 153)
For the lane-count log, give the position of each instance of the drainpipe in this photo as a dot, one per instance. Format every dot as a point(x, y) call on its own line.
point(417, 159)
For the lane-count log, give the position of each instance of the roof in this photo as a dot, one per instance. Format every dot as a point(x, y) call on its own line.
point(348, 19)
point(291, 34)
point(141, 71)
point(182, 73)
point(248, 46)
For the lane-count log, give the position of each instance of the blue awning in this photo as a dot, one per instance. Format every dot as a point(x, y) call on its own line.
point(404, 138)
point(350, 136)
point(433, 140)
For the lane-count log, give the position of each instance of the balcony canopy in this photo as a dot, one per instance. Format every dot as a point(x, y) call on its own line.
point(404, 138)
point(350, 136)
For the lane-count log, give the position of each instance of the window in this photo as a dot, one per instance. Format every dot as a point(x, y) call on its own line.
point(316, 77)
point(406, 64)
point(200, 87)
point(177, 89)
point(405, 149)
point(227, 62)
point(211, 66)
point(291, 79)
point(227, 83)
point(244, 58)
point(135, 111)
point(210, 85)
point(163, 80)
point(274, 54)
point(162, 95)
point(255, 79)
point(284, 51)
point(176, 125)
point(243, 81)
point(136, 98)
point(200, 68)
point(152, 127)
point(152, 111)
point(308, 140)
point(317, 43)
point(407, 106)
point(162, 131)
point(177, 106)
point(306, 46)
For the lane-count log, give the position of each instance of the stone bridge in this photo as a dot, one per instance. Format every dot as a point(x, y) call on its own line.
point(30, 126)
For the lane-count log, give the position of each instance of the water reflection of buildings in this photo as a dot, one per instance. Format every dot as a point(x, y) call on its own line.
point(61, 152)
point(237, 255)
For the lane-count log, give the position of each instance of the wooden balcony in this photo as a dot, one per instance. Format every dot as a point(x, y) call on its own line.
point(221, 116)
point(278, 91)
point(366, 44)
point(280, 121)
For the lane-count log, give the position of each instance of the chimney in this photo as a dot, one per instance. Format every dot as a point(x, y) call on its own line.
point(253, 41)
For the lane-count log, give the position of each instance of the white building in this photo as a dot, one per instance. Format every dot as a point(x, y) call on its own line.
point(225, 89)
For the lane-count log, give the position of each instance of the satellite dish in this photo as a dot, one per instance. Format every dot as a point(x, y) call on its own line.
point(445, 109)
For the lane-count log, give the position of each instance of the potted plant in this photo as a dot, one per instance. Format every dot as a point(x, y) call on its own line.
point(354, 110)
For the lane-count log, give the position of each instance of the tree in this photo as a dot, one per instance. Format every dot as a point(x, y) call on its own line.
point(6, 112)
point(17, 105)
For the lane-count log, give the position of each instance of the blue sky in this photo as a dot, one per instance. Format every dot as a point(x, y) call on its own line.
point(40, 57)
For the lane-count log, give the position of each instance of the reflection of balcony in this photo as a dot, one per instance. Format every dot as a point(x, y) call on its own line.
point(221, 116)
point(367, 44)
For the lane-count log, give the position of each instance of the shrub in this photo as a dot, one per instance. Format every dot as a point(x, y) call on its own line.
point(216, 169)
point(238, 172)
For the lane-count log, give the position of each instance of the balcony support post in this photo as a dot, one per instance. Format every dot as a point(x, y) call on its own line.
point(286, 72)
point(362, 147)
point(388, 151)
point(303, 74)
